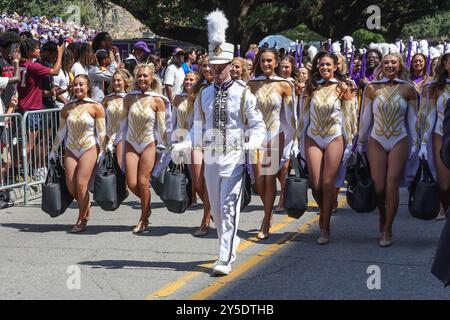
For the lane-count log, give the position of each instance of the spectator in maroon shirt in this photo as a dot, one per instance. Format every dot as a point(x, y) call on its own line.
point(30, 87)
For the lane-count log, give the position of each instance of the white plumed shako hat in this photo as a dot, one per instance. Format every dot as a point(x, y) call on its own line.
point(219, 50)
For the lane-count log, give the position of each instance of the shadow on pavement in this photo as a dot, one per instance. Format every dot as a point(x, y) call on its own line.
point(132, 264)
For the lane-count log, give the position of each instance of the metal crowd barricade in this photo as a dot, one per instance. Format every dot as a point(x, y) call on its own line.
point(40, 129)
point(12, 174)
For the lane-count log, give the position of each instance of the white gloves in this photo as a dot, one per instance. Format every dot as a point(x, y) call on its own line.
point(413, 151)
point(423, 152)
point(100, 157)
point(347, 153)
point(110, 147)
point(295, 149)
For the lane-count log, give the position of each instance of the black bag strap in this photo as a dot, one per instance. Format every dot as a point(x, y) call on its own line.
point(425, 174)
point(52, 174)
point(362, 162)
point(295, 164)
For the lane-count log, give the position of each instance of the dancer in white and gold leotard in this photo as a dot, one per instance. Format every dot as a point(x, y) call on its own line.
point(82, 128)
point(327, 120)
point(434, 99)
point(183, 120)
point(147, 121)
point(275, 100)
point(389, 118)
point(115, 113)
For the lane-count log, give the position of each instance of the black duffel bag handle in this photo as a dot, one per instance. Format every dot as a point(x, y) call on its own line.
point(296, 190)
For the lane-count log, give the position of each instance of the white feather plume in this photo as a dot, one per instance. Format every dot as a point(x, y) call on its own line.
point(336, 48)
point(415, 47)
point(440, 47)
point(312, 51)
point(384, 49)
point(434, 52)
point(423, 44)
point(348, 39)
point(217, 25)
point(393, 48)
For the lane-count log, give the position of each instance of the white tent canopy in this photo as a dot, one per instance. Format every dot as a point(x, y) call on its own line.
point(278, 41)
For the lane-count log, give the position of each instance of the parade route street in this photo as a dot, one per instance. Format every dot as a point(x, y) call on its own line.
point(39, 258)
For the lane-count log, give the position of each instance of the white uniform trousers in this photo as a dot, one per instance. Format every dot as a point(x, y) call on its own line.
point(225, 198)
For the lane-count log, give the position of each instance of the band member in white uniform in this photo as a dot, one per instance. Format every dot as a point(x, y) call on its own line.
point(222, 111)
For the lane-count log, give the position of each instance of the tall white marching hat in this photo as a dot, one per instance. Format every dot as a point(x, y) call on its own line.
point(220, 52)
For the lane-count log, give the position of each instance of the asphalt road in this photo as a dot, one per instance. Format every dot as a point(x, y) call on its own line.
point(39, 259)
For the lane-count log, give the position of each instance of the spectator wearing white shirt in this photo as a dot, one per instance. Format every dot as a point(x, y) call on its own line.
point(174, 76)
point(62, 80)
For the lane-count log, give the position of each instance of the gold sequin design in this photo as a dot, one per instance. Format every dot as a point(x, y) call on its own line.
point(269, 104)
point(115, 113)
point(440, 107)
point(80, 129)
point(141, 121)
point(323, 116)
point(389, 117)
point(185, 113)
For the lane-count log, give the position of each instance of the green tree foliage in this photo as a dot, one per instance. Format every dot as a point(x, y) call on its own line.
point(251, 20)
point(430, 27)
point(363, 37)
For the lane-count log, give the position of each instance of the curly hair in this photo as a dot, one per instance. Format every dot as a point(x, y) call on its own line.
point(312, 84)
point(8, 38)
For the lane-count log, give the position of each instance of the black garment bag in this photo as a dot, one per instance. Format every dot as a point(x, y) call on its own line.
point(56, 198)
point(424, 202)
point(177, 188)
point(296, 188)
point(360, 190)
point(109, 186)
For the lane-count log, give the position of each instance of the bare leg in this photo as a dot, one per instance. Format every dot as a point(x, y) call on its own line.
point(200, 186)
point(315, 160)
point(395, 171)
point(267, 182)
point(443, 174)
point(84, 171)
point(146, 164)
point(70, 166)
point(378, 159)
point(131, 169)
point(331, 162)
point(282, 178)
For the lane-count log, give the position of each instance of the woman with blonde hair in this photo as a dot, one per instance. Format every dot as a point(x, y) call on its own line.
point(388, 127)
point(82, 128)
point(145, 121)
point(121, 83)
point(239, 70)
